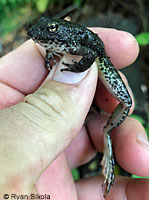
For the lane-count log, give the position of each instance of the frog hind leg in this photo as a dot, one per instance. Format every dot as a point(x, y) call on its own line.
point(115, 85)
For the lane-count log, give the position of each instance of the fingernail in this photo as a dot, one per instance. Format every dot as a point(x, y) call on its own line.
point(143, 140)
point(66, 76)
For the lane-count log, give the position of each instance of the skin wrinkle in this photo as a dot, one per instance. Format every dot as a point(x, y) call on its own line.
point(39, 107)
point(11, 94)
point(8, 85)
point(58, 93)
point(70, 101)
point(33, 121)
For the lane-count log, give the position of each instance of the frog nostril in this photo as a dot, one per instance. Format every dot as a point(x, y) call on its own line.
point(31, 31)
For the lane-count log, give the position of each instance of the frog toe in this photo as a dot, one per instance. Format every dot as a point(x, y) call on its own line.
point(65, 69)
point(66, 64)
point(47, 66)
point(71, 67)
point(108, 173)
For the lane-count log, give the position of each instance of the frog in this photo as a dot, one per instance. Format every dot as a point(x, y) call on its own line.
point(60, 37)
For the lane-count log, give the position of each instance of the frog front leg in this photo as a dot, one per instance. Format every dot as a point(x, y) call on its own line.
point(86, 61)
point(50, 56)
point(115, 85)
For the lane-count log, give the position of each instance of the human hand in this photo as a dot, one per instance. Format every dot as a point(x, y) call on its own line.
point(40, 133)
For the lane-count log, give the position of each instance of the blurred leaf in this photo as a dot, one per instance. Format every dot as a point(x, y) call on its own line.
point(41, 5)
point(75, 174)
point(14, 21)
point(135, 176)
point(140, 119)
point(78, 2)
point(117, 169)
point(3, 2)
point(143, 38)
point(93, 165)
point(147, 131)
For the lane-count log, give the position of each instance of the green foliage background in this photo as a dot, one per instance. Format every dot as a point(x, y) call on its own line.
point(143, 38)
point(15, 13)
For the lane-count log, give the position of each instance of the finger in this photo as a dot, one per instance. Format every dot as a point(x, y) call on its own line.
point(131, 153)
point(51, 113)
point(57, 181)
point(106, 101)
point(9, 96)
point(131, 147)
point(84, 147)
point(80, 150)
point(124, 188)
point(23, 69)
point(120, 46)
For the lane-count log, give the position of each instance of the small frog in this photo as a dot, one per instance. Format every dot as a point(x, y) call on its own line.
point(60, 37)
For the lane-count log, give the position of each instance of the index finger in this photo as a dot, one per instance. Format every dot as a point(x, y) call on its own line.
point(120, 46)
point(22, 69)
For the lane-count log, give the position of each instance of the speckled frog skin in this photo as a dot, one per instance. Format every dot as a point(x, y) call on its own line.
point(60, 37)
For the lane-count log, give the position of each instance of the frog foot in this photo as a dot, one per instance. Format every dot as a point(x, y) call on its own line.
point(71, 67)
point(108, 171)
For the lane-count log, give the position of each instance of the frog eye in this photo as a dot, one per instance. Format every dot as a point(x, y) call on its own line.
point(52, 27)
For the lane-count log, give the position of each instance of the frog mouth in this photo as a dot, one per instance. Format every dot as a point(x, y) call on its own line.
point(35, 37)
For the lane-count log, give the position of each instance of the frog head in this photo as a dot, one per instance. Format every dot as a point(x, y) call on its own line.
point(53, 34)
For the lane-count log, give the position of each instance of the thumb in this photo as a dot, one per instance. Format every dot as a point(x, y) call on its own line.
point(59, 109)
point(36, 131)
